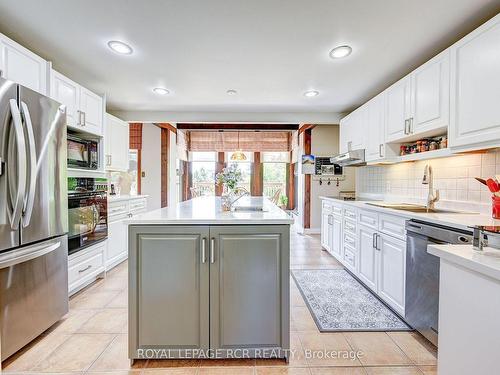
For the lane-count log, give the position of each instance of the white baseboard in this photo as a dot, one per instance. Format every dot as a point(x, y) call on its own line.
point(312, 231)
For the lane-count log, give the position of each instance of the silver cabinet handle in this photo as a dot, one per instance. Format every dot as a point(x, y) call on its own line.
point(84, 119)
point(410, 130)
point(110, 159)
point(15, 215)
point(30, 195)
point(380, 146)
point(374, 240)
point(377, 236)
point(406, 126)
point(203, 250)
point(79, 121)
point(85, 269)
point(212, 250)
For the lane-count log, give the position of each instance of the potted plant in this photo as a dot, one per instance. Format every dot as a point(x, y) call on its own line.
point(283, 202)
point(228, 178)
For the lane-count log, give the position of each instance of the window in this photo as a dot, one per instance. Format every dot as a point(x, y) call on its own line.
point(274, 174)
point(203, 173)
point(133, 170)
point(245, 167)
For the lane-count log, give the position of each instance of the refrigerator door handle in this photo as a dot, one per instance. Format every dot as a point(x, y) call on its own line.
point(30, 196)
point(17, 210)
point(11, 258)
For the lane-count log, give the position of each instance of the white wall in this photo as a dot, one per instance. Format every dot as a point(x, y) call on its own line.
point(325, 142)
point(151, 165)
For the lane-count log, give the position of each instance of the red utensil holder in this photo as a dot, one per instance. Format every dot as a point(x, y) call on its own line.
point(495, 207)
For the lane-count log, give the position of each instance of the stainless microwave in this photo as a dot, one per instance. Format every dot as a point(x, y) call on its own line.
point(82, 153)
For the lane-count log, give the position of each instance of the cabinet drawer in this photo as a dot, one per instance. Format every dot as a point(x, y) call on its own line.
point(350, 257)
point(368, 219)
point(337, 210)
point(87, 265)
point(326, 206)
point(350, 227)
point(117, 209)
point(350, 213)
point(349, 240)
point(392, 225)
point(138, 205)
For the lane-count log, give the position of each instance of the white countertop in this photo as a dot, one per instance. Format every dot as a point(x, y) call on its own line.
point(118, 198)
point(207, 210)
point(455, 220)
point(486, 262)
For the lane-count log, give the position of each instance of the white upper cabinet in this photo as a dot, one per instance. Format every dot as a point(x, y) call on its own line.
point(430, 96)
point(91, 107)
point(345, 128)
point(66, 92)
point(22, 66)
point(475, 88)
point(375, 143)
point(398, 108)
point(84, 108)
point(116, 144)
point(352, 130)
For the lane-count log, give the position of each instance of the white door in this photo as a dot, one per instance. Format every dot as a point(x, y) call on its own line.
point(336, 236)
point(324, 230)
point(92, 106)
point(375, 147)
point(430, 86)
point(23, 66)
point(475, 83)
point(66, 92)
point(116, 144)
point(117, 241)
point(367, 257)
point(391, 281)
point(397, 110)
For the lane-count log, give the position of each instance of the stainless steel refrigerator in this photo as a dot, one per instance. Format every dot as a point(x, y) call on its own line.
point(33, 215)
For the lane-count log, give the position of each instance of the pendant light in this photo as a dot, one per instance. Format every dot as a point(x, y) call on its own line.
point(238, 155)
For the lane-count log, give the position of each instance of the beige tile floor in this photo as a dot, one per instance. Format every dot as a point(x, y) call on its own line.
point(92, 338)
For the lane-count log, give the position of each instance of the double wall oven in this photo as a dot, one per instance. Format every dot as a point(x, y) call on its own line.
point(87, 212)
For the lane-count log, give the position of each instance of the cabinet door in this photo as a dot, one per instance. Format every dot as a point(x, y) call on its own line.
point(117, 241)
point(397, 110)
point(116, 144)
point(375, 147)
point(169, 285)
point(367, 257)
point(336, 236)
point(430, 86)
point(475, 81)
point(324, 230)
point(391, 282)
point(23, 66)
point(66, 92)
point(345, 128)
point(358, 128)
point(249, 287)
point(91, 105)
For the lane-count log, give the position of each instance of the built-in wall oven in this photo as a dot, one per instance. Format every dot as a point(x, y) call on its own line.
point(82, 153)
point(87, 212)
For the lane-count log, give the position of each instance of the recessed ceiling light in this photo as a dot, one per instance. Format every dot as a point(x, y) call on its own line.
point(120, 47)
point(311, 93)
point(161, 91)
point(231, 92)
point(341, 51)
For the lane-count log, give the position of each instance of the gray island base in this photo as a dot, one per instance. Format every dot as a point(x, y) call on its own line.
point(204, 284)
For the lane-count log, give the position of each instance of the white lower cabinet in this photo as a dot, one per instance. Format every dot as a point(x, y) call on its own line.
point(335, 232)
point(391, 271)
point(367, 270)
point(86, 266)
point(118, 211)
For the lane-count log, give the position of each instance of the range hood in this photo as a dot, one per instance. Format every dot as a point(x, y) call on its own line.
point(353, 158)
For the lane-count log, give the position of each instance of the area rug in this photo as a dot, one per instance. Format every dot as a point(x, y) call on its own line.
point(339, 302)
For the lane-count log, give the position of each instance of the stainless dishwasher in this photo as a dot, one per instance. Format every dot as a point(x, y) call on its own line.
point(422, 274)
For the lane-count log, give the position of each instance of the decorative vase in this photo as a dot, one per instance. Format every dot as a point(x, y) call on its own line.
point(226, 199)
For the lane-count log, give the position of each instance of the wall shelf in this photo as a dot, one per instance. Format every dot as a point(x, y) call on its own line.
point(435, 154)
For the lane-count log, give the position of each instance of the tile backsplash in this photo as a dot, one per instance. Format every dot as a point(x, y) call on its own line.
point(453, 176)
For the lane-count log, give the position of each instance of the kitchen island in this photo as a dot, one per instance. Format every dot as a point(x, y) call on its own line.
point(210, 284)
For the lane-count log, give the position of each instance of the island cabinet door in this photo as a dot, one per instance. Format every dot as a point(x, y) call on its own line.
point(168, 290)
point(249, 290)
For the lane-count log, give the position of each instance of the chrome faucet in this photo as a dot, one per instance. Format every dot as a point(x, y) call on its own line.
point(432, 196)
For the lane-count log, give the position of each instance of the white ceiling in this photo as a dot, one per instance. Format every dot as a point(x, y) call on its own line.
point(271, 51)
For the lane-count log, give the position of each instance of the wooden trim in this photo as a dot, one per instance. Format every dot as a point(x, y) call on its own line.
point(186, 180)
point(268, 127)
point(165, 148)
point(139, 171)
point(305, 127)
point(219, 165)
point(167, 126)
point(290, 185)
point(307, 182)
point(257, 176)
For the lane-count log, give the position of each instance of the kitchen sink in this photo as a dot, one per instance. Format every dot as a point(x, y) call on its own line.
point(416, 208)
point(249, 209)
